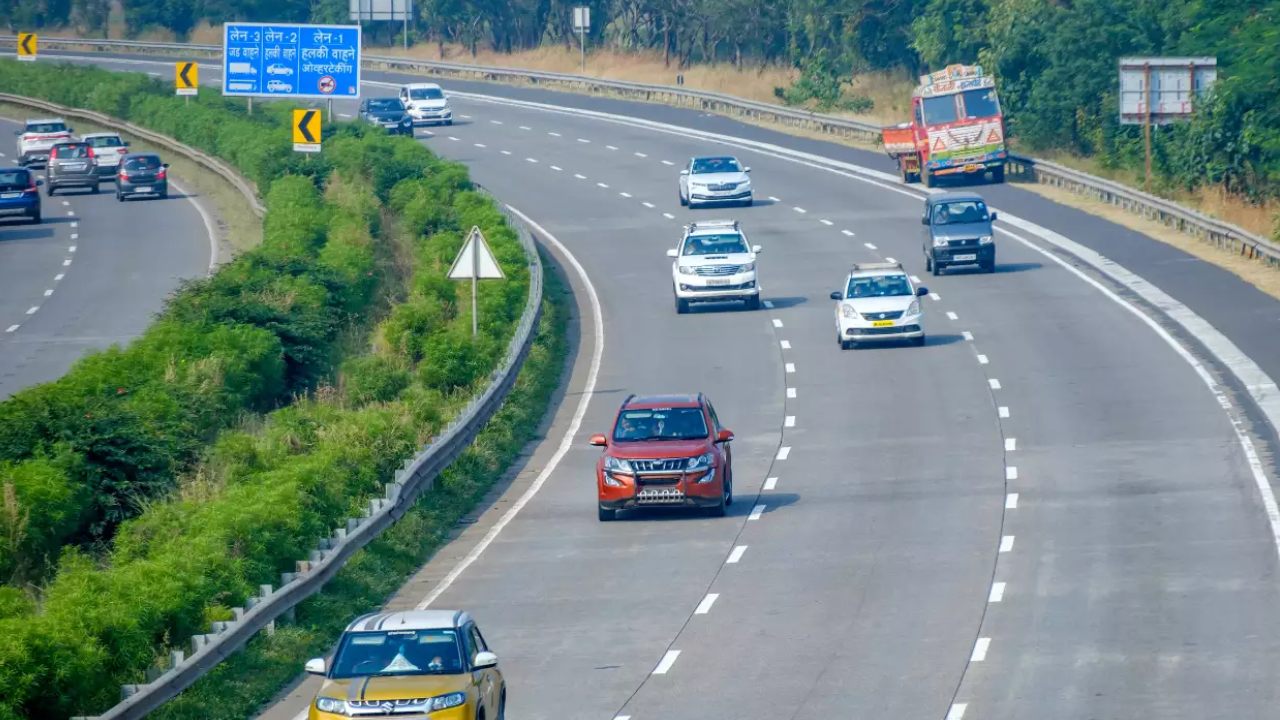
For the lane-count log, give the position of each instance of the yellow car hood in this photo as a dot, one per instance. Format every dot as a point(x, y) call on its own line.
point(395, 687)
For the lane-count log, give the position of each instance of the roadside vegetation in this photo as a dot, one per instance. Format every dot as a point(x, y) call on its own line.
point(156, 486)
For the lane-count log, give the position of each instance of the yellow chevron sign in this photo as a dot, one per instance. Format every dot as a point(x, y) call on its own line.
point(186, 77)
point(27, 43)
point(306, 130)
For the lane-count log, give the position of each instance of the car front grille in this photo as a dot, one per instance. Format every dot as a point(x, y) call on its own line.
point(723, 187)
point(713, 270)
point(661, 465)
point(883, 315)
point(970, 242)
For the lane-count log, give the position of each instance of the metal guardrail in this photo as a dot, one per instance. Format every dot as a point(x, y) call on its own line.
point(1222, 234)
point(228, 173)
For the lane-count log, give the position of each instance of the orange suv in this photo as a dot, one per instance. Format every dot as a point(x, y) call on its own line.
point(665, 451)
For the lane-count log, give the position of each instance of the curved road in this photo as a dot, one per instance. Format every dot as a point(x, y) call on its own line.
point(1042, 513)
point(92, 274)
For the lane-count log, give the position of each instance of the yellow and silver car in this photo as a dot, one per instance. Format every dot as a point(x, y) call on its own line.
point(411, 664)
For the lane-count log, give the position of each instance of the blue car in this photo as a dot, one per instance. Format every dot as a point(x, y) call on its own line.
point(19, 194)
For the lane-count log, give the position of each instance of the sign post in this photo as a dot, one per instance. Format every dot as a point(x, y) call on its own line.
point(27, 46)
point(186, 79)
point(581, 23)
point(306, 131)
point(362, 11)
point(291, 61)
point(475, 262)
point(1160, 91)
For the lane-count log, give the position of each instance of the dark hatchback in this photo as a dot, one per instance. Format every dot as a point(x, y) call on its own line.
point(957, 231)
point(142, 174)
point(19, 195)
point(387, 113)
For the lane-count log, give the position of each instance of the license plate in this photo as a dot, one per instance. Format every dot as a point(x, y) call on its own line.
point(7, 196)
point(881, 323)
point(962, 258)
point(970, 168)
point(75, 167)
point(717, 281)
point(142, 189)
point(389, 125)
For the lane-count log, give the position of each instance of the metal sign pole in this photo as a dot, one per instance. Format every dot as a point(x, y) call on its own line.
point(582, 44)
point(330, 103)
point(1146, 126)
point(475, 281)
point(250, 106)
point(408, 6)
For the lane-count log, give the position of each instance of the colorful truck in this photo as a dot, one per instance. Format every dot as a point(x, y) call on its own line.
point(956, 128)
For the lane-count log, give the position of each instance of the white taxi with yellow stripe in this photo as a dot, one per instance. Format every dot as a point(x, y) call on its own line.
point(877, 303)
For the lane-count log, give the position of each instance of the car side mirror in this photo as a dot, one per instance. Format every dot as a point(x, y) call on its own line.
point(71, 130)
point(724, 436)
point(837, 295)
point(684, 172)
point(17, 132)
point(756, 249)
point(316, 666)
point(484, 660)
point(126, 143)
point(672, 253)
point(164, 165)
point(924, 220)
point(39, 183)
point(746, 169)
point(993, 216)
point(598, 440)
point(922, 291)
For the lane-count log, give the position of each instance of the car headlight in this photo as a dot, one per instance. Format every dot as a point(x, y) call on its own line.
point(984, 240)
point(616, 465)
point(446, 701)
point(848, 312)
point(331, 705)
point(913, 308)
point(749, 267)
point(711, 475)
point(744, 183)
point(687, 270)
point(940, 242)
point(697, 464)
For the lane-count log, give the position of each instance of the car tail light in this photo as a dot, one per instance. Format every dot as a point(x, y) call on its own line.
point(160, 175)
point(124, 173)
point(53, 154)
point(90, 151)
point(123, 151)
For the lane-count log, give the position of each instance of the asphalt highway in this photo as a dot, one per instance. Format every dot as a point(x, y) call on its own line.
point(1043, 512)
point(92, 274)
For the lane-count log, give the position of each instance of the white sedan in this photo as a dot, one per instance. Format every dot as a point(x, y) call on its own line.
point(714, 180)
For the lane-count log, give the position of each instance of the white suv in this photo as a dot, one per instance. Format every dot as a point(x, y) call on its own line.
point(37, 139)
point(426, 103)
point(878, 303)
point(714, 263)
point(108, 150)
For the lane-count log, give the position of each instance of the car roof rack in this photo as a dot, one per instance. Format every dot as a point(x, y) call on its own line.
point(857, 267)
point(707, 224)
point(627, 402)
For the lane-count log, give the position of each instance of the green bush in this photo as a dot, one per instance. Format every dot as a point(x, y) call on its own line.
point(373, 378)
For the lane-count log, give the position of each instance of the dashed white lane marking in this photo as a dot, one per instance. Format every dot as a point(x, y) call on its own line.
point(75, 236)
point(704, 607)
point(997, 592)
point(1004, 411)
point(1006, 543)
point(583, 141)
point(777, 322)
point(647, 204)
point(453, 138)
point(75, 224)
point(506, 152)
point(531, 160)
point(774, 199)
point(768, 304)
point(826, 222)
point(756, 512)
point(1011, 501)
point(602, 185)
point(553, 167)
point(957, 711)
point(580, 176)
point(667, 162)
point(70, 214)
point(71, 249)
point(789, 421)
point(623, 717)
point(554, 134)
point(496, 122)
point(800, 210)
point(846, 232)
point(1010, 444)
point(611, 147)
point(59, 276)
point(786, 344)
point(67, 203)
point(33, 310)
point(12, 328)
point(784, 452)
point(626, 195)
point(465, 117)
point(982, 359)
point(952, 316)
point(66, 262)
point(1011, 473)
point(525, 127)
point(667, 661)
point(980, 650)
point(480, 145)
point(967, 335)
point(769, 483)
point(669, 216)
point(640, 154)
point(890, 260)
point(791, 367)
point(48, 292)
point(736, 555)
point(994, 383)
point(869, 246)
point(791, 392)
point(935, 297)
point(428, 133)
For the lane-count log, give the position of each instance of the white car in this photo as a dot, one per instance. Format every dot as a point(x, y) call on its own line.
point(108, 149)
point(720, 179)
point(427, 104)
point(878, 303)
point(279, 70)
point(714, 263)
point(278, 86)
point(38, 137)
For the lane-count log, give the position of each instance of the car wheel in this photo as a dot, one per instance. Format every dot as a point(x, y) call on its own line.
point(847, 345)
point(721, 508)
point(928, 264)
point(50, 189)
point(120, 197)
point(682, 306)
point(95, 189)
point(997, 175)
point(918, 342)
point(728, 490)
point(990, 265)
point(164, 195)
point(937, 269)
point(753, 302)
point(683, 202)
point(448, 122)
point(606, 514)
point(36, 219)
point(502, 705)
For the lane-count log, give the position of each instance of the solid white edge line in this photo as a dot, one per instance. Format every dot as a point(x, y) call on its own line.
point(667, 661)
point(705, 606)
point(597, 352)
point(210, 224)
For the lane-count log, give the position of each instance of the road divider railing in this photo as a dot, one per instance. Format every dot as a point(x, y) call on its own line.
point(1225, 236)
point(415, 477)
point(244, 185)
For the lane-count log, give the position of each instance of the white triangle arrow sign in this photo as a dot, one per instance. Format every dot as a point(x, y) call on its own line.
point(475, 261)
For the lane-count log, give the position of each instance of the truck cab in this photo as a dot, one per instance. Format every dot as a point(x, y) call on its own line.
point(956, 129)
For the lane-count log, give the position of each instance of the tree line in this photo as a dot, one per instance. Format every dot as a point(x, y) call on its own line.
point(1055, 61)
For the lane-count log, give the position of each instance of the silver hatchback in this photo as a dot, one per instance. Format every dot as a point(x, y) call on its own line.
point(71, 164)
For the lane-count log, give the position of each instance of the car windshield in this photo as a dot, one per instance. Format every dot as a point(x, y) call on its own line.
point(425, 94)
point(105, 141)
point(14, 178)
point(385, 104)
point(704, 166)
point(714, 245)
point(940, 110)
point(143, 163)
point(398, 652)
point(981, 104)
point(968, 211)
point(73, 152)
point(878, 286)
point(682, 423)
point(46, 128)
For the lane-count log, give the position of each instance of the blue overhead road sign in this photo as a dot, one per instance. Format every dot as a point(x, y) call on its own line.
point(291, 61)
